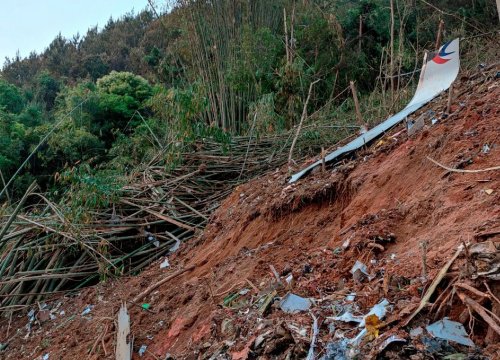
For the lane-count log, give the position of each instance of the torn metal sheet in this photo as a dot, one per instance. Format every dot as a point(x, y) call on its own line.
point(436, 76)
point(292, 303)
point(390, 340)
point(450, 330)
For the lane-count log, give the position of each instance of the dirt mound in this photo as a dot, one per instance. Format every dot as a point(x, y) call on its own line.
point(385, 208)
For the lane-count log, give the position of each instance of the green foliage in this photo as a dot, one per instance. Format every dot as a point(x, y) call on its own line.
point(71, 144)
point(11, 99)
point(144, 89)
point(179, 110)
point(120, 95)
point(263, 113)
point(86, 188)
point(131, 87)
point(46, 89)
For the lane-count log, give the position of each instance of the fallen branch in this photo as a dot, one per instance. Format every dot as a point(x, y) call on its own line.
point(480, 311)
point(472, 290)
point(434, 285)
point(462, 170)
point(302, 118)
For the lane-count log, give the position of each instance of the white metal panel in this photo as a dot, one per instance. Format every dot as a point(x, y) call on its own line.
point(436, 76)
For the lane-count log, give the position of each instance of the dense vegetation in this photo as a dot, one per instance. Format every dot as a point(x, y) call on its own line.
point(115, 98)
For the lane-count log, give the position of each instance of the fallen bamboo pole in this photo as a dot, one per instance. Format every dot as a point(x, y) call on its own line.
point(139, 297)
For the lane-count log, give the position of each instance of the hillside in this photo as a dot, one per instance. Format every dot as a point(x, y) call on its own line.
point(377, 208)
point(149, 168)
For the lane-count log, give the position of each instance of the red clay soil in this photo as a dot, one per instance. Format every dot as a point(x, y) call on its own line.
point(377, 208)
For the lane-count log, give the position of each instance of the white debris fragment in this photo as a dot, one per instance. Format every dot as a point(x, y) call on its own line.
point(87, 310)
point(165, 264)
point(176, 246)
point(142, 350)
point(292, 303)
point(451, 331)
point(350, 297)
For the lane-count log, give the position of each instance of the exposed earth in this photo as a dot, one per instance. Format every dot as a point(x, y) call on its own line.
point(390, 208)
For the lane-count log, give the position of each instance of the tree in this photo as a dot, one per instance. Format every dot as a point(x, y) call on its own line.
point(46, 89)
point(10, 98)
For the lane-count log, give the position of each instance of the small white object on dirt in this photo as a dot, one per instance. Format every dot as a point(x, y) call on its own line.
point(142, 350)
point(350, 297)
point(87, 310)
point(165, 264)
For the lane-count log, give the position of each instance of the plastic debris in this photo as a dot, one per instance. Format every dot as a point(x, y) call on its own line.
point(486, 258)
point(46, 356)
point(350, 297)
point(146, 306)
point(165, 264)
point(437, 347)
point(289, 279)
point(450, 330)
point(348, 317)
point(142, 350)
point(87, 310)
point(486, 149)
point(292, 303)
